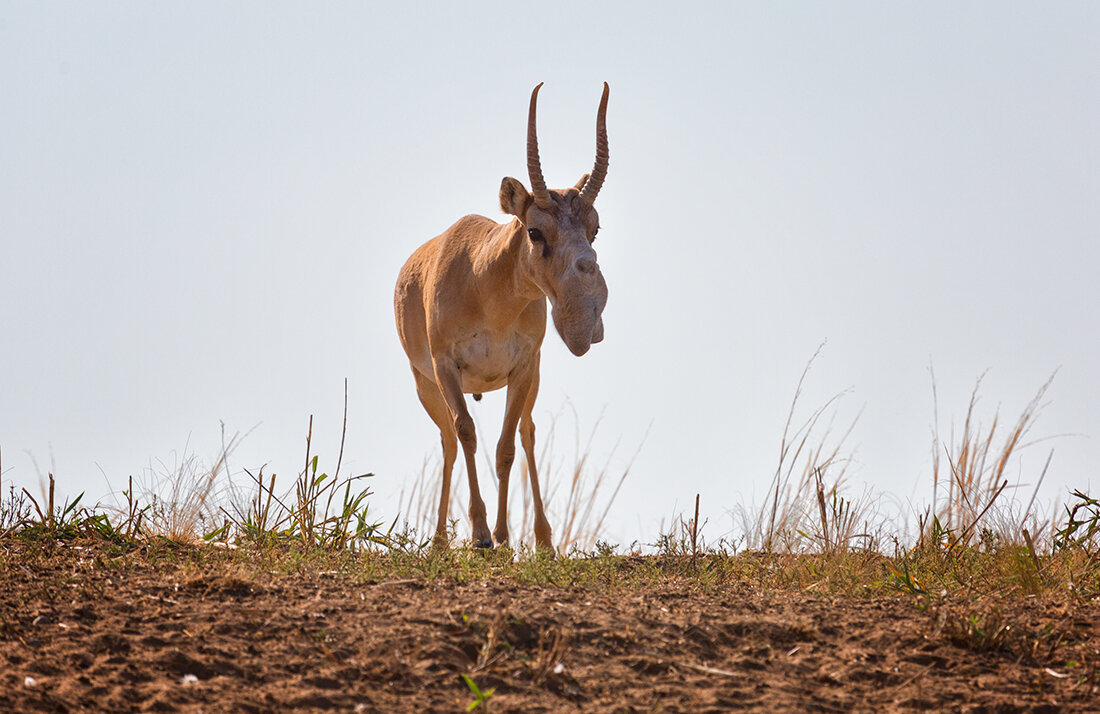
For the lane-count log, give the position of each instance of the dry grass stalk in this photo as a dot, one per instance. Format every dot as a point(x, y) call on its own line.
point(786, 519)
point(580, 517)
point(695, 534)
point(184, 498)
point(976, 464)
point(14, 511)
point(551, 651)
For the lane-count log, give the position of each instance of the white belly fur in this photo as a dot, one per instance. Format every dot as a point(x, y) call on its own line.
point(486, 360)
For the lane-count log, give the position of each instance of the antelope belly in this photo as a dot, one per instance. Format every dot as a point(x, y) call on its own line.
point(485, 361)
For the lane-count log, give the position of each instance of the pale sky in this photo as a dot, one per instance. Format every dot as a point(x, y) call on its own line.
point(204, 206)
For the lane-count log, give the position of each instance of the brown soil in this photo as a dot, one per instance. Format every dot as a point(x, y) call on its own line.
point(77, 635)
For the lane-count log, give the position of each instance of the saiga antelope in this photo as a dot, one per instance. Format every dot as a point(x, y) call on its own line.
point(471, 313)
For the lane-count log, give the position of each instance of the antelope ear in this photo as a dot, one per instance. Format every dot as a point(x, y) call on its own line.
point(580, 184)
point(514, 198)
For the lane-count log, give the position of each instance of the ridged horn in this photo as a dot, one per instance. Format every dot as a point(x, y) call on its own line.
point(534, 166)
point(599, 171)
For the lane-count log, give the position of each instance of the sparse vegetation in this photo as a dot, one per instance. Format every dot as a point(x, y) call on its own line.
point(808, 532)
point(983, 574)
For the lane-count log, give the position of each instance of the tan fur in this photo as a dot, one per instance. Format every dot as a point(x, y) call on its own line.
point(471, 314)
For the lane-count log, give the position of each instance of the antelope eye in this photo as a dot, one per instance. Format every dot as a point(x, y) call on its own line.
point(537, 237)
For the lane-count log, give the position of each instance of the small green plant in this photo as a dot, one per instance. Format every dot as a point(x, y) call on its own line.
point(980, 633)
point(482, 698)
point(321, 510)
point(131, 527)
point(1079, 539)
point(57, 522)
point(1082, 526)
point(904, 580)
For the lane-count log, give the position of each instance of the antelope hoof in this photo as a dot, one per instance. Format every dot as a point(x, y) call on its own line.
point(543, 538)
point(482, 538)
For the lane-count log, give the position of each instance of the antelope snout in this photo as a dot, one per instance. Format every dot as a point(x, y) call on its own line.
point(587, 266)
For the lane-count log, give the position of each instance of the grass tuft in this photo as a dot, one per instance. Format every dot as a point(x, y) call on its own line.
point(810, 536)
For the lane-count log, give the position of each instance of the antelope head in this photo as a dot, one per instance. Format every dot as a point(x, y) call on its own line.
point(561, 226)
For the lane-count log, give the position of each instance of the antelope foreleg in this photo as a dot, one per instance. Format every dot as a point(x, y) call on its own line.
point(519, 388)
point(450, 384)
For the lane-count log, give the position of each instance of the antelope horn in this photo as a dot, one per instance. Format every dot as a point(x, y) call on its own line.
point(534, 166)
point(599, 171)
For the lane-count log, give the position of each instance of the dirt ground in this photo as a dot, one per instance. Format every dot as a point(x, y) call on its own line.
point(78, 634)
